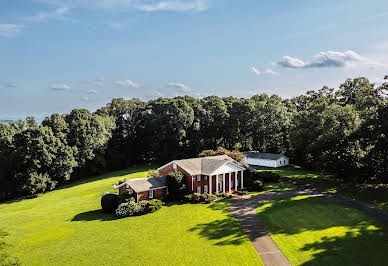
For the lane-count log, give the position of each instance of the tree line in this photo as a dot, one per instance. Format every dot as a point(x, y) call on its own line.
point(343, 131)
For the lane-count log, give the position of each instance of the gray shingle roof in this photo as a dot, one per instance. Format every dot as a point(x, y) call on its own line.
point(204, 165)
point(145, 184)
point(260, 155)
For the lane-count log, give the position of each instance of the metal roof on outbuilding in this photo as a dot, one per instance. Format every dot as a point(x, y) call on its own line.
point(265, 156)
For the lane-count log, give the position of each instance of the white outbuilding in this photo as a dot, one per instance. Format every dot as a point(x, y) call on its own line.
point(255, 158)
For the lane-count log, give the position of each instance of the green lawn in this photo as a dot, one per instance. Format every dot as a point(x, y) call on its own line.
point(316, 231)
point(374, 195)
point(273, 187)
point(66, 227)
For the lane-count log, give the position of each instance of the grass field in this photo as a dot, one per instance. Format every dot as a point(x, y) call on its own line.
point(316, 231)
point(374, 195)
point(273, 187)
point(66, 227)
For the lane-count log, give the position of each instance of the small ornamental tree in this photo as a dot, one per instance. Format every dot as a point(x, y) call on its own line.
point(176, 184)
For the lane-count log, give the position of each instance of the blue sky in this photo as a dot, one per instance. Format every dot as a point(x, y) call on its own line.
point(59, 55)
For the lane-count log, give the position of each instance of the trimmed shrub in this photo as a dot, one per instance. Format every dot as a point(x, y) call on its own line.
point(127, 209)
point(210, 198)
point(189, 197)
point(197, 197)
point(257, 185)
point(126, 196)
point(176, 185)
point(154, 205)
point(109, 202)
point(222, 195)
point(241, 191)
point(143, 207)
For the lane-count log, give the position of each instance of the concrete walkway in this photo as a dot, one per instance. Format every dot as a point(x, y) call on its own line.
point(244, 211)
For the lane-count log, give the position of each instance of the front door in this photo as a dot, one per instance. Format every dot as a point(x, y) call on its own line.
point(220, 184)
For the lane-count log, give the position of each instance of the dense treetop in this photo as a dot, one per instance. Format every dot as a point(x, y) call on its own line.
point(343, 131)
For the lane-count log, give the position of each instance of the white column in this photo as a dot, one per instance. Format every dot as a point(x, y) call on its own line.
point(210, 185)
point(216, 184)
point(242, 179)
point(230, 183)
point(235, 180)
point(223, 182)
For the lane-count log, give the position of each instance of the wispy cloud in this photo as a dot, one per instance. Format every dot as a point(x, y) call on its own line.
point(10, 30)
point(60, 87)
point(9, 85)
point(85, 99)
point(329, 59)
point(92, 92)
point(97, 82)
point(174, 5)
point(143, 5)
point(56, 14)
point(265, 72)
point(180, 86)
point(127, 83)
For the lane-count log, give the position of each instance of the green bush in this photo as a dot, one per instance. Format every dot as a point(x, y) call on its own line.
point(176, 185)
point(241, 191)
point(153, 173)
point(128, 209)
point(210, 198)
point(109, 202)
point(143, 207)
point(154, 205)
point(257, 185)
point(126, 196)
point(189, 197)
point(197, 197)
point(222, 195)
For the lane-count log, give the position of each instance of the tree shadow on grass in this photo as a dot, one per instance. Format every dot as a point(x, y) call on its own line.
point(364, 240)
point(365, 247)
point(227, 231)
point(96, 215)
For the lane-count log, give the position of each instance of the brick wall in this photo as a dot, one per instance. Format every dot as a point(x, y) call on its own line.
point(169, 168)
point(158, 193)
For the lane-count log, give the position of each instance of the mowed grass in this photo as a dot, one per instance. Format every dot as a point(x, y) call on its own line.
point(66, 227)
point(274, 187)
point(316, 231)
point(373, 195)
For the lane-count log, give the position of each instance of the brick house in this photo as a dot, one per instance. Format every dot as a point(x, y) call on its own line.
point(145, 188)
point(211, 174)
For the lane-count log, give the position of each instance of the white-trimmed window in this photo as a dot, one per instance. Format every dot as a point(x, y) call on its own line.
point(198, 178)
point(199, 189)
point(151, 194)
point(166, 191)
point(174, 165)
point(205, 190)
point(205, 177)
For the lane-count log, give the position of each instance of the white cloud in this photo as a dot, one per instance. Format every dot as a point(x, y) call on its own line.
point(265, 72)
point(10, 30)
point(127, 83)
point(291, 62)
point(60, 87)
point(97, 82)
point(175, 5)
point(85, 99)
point(143, 5)
point(92, 92)
point(256, 71)
point(329, 59)
point(180, 86)
point(57, 14)
point(270, 72)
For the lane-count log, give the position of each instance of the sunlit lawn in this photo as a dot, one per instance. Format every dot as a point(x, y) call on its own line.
point(66, 227)
point(274, 187)
point(373, 195)
point(316, 231)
